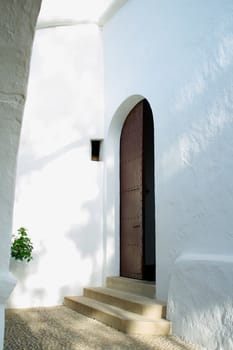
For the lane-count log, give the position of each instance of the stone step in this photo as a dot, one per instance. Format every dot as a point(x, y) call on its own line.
point(144, 288)
point(141, 305)
point(118, 318)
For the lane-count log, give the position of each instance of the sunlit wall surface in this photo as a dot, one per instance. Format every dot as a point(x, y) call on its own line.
point(58, 189)
point(76, 10)
point(179, 56)
point(18, 20)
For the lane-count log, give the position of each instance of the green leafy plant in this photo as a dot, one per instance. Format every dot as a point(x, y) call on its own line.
point(21, 248)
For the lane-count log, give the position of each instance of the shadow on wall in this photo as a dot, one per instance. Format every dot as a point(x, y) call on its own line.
point(194, 163)
point(200, 298)
point(53, 189)
point(194, 189)
point(31, 163)
point(87, 242)
point(194, 193)
point(84, 269)
point(88, 239)
point(55, 176)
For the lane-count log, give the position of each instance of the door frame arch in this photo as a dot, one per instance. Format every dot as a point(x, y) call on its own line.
point(111, 202)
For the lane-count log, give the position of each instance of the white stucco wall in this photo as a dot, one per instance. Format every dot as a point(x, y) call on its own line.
point(58, 188)
point(200, 302)
point(178, 55)
point(17, 30)
point(72, 10)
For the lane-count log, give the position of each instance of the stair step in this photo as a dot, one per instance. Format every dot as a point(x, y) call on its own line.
point(144, 288)
point(118, 318)
point(141, 305)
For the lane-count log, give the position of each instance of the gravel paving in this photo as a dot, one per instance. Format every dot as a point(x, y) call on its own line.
point(60, 328)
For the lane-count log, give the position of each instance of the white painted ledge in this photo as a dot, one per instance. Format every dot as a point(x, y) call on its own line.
point(46, 21)
point(110, 11)
point(62, 23)
point(200, 300)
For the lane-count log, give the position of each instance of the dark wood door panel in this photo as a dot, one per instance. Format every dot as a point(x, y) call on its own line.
point(137, 206)
point(131, 194)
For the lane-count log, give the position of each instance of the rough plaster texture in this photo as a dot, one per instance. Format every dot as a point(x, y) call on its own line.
point(185, 72)
point(7, 283)
point(17, 31)
point(17, 25)
point(200, 300)
point(58, 188)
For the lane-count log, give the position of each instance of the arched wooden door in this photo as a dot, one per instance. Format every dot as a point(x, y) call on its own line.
point(137, 205)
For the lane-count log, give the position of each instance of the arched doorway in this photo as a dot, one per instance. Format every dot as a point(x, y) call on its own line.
point(137, 203)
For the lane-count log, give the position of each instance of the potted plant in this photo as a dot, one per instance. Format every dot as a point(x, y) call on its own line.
point(21, 248)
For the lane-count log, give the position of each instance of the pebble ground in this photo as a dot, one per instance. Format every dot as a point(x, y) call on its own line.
point(60, 328)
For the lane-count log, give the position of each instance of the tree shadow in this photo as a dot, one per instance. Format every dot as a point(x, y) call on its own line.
point(31, 163)
point(87, 239)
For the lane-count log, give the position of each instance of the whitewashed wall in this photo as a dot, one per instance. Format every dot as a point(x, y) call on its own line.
point(58, 188)
point(179, 55)
point(18, 21)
